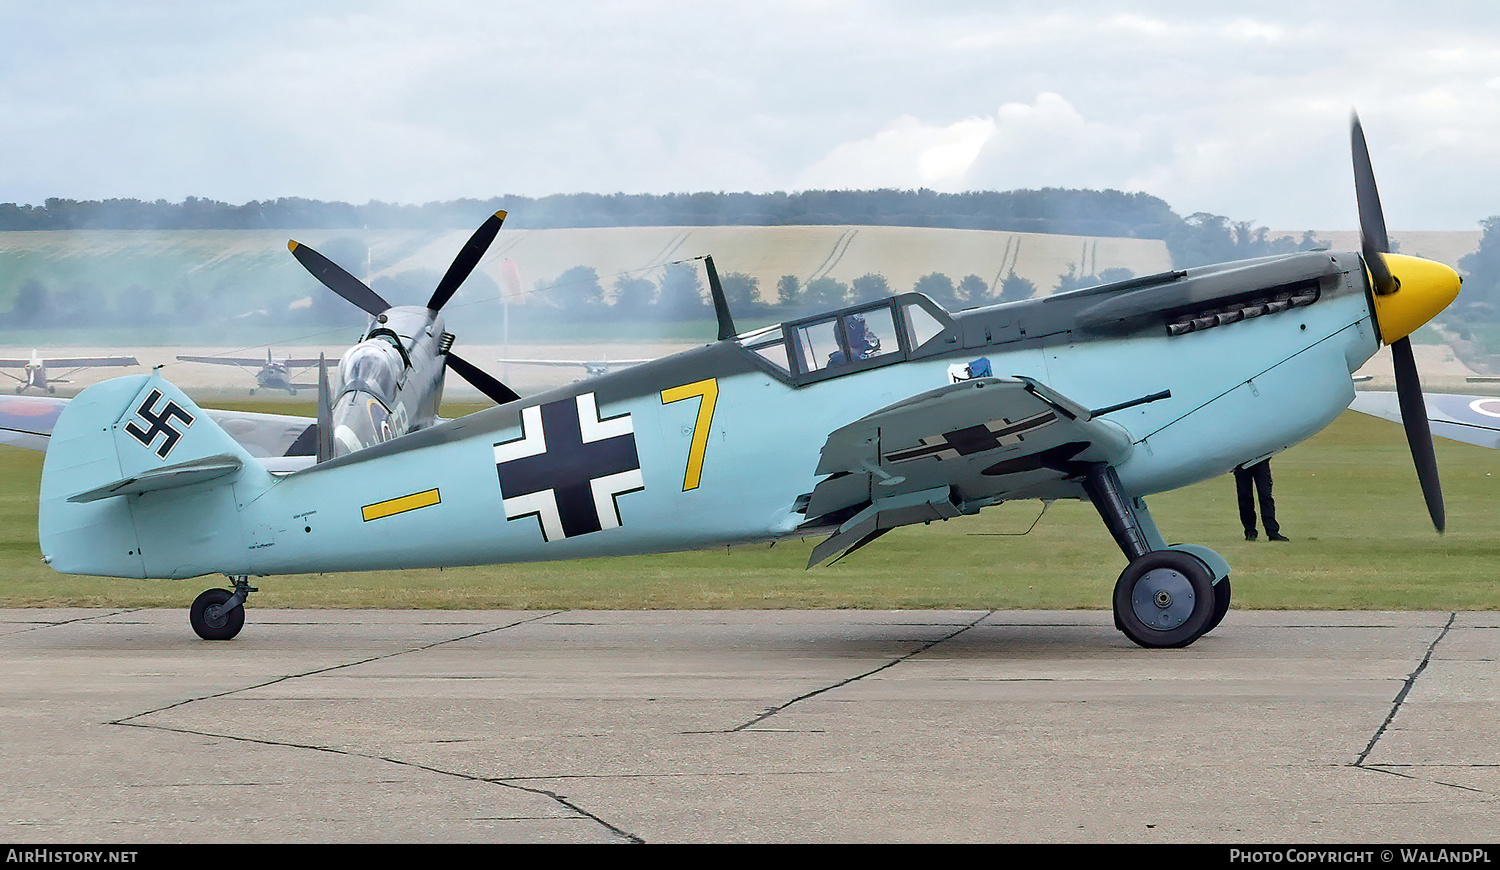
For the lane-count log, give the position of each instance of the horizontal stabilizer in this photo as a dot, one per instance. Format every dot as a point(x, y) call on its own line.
point(167, 477)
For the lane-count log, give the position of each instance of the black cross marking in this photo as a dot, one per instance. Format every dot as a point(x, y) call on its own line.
point(161, 424)
point(562, 479)
point(972, 439)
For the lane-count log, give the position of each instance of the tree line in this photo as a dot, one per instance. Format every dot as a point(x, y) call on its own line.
point(1197, 239)
point(1053, 210)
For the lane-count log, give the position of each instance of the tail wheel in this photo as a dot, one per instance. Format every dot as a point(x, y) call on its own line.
point(1165, 598)
point(218, 626)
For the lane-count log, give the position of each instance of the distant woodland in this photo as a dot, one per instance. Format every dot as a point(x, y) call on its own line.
point(1075, 212)
point(1199, 238)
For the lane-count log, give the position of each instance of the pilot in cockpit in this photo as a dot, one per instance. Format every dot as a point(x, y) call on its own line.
point(863, 342)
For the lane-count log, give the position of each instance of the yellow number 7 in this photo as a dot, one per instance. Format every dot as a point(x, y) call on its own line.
point(708, 391)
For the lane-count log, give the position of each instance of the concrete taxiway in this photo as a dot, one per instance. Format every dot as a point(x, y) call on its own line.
point(668, 726)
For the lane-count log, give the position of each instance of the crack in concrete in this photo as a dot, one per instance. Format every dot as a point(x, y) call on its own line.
point(772, 711)
point(1411, 680)
point(561, 800)
point(43, 624)
point(1396, 704)
point(330, 668)
point(1391, 769)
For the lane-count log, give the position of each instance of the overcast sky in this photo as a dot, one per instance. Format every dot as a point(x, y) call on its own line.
point(1242, 112)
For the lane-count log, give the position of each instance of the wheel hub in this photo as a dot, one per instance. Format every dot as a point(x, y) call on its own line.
point(1162, 599)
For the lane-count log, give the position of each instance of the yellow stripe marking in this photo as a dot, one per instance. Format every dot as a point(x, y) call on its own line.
point(708, 393)
point(401, 505)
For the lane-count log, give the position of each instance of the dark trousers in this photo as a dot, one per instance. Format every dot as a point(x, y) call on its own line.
point(1258, 476)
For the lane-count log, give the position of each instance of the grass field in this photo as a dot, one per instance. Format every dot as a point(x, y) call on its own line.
point(1348, 498)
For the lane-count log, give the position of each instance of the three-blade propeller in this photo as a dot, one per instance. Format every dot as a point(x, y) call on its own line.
point(1375, 244)
point(335, 278)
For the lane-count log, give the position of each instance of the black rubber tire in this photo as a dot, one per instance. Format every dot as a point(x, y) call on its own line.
point(1221, 604)
point(1164, 599)
point(226, 626)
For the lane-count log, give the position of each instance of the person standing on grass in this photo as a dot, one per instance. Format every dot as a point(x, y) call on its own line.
point(1257, 476)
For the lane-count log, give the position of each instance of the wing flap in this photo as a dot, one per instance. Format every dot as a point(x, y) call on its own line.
point(883, 515)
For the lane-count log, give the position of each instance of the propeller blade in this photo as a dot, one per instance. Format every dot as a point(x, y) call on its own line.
point(482, 381)
point(467, 259)
point(336, 279)
point(1418, 434)
point(1373, 239)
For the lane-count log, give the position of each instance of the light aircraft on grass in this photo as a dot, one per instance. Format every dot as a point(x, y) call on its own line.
point(270, 373)
point(34, 370)
point(1108, 394)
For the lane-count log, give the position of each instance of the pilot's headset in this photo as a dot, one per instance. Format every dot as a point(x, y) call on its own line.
point(862, 342)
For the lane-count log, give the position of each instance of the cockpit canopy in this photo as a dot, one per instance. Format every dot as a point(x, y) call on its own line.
point(373, 366)
point(852, 339)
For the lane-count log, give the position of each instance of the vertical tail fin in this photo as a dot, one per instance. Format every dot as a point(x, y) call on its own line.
point(325, 412)
point(140, 482)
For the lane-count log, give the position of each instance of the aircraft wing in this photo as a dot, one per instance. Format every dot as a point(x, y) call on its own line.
point(27, 421)
point(611, 363)
point(951, 451)
point(88, 361)
point(14, 363)
point(1470, 419)
point(269, 436)
point(250, 362)
point(282, 442)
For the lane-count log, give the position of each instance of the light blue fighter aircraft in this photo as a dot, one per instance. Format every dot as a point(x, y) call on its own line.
point(845, 425)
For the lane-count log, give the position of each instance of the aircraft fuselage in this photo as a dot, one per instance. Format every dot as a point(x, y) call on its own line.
point(391, 382)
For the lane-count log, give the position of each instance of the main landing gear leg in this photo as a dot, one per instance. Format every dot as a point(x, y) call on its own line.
point(1166, 596)
point(219, 614)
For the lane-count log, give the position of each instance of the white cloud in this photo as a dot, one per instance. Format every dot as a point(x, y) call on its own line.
point(905, 154)
point(1043, 143)
point(1217, 110)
